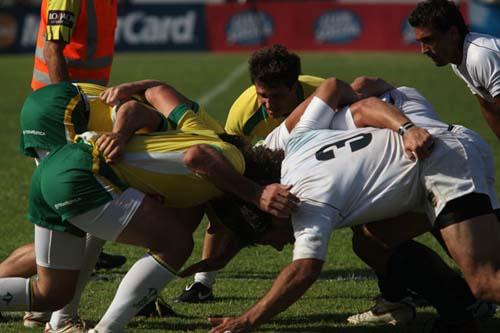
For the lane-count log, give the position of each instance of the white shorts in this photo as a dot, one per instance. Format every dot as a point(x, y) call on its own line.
point(461, 163)
point(58, 249)
point(109, 220)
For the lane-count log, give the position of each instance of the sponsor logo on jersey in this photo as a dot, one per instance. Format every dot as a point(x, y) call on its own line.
point(67, 203)
point(34, 132)
point(138, 28)
point(8, 30)
point(337, 27)
point(249, 27)
point(407, 33)
point(61, 17)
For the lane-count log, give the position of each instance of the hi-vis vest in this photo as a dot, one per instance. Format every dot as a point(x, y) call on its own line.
point(88, 28)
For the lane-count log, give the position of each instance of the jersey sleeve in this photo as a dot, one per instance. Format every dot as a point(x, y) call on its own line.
point(61, 17)
point(318, 115)
point(277, 138)
point(491, 73)
point(485, 71)
point(235, 122)
point(312, 226)
point(183, 118)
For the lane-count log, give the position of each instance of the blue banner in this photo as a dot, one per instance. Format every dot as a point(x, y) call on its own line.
point(139, 28)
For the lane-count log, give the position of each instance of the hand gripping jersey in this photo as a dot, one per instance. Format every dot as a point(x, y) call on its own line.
point(349, 177)
point(74, 178)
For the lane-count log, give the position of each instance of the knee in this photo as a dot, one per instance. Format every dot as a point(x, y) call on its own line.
point(484, 286)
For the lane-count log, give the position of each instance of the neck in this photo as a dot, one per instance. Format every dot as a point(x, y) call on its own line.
point(457, 59)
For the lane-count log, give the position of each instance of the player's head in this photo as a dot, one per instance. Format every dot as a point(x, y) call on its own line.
point(440, 29)
point(262, 165)
point(249, 224)
point(274, 72)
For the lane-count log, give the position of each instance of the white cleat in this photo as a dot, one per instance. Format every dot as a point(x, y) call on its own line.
point(393, 313)
point(36, 319)
point(73, 326)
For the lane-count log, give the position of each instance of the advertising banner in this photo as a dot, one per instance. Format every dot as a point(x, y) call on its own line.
point(139, 28)
point(311, 25)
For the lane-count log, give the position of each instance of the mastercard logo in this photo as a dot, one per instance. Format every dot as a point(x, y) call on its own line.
point(8, 30)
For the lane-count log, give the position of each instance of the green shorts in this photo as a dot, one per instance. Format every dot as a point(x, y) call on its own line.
point(70, 181)
point(51, 116)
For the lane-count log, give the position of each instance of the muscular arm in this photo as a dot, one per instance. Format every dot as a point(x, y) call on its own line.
point(130, 117)
point(56, 64)
point(124, 91)
point(377, 113)
point(289, 286)
point(368, 86)
point(491, 112)
point(211, 164)
point(333, 91)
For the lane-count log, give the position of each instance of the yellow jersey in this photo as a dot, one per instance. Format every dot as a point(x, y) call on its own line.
point(153, 164)
point(248, 118)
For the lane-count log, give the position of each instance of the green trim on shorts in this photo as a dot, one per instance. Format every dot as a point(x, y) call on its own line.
point(70, 181)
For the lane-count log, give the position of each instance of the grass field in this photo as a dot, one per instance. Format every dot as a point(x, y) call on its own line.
point(346, 285)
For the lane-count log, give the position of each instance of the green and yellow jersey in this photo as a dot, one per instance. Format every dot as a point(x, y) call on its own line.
point(153, 164)
point(74, 178)
point(248, 118)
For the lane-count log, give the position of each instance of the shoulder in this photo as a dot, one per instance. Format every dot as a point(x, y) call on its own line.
point(480, 48)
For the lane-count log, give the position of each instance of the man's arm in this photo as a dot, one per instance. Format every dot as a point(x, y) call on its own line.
point(491, 112)
point(130, 117)
point(367, 86)
point(206, 161)
point(377, 113)
point(125, 91)
point(56, 63)
point(332, 91)
point(289, 286)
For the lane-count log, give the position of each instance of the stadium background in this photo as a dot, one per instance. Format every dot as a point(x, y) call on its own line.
point(212, 41)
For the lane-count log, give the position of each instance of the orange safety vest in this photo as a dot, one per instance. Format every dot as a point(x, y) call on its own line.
point(89, 53)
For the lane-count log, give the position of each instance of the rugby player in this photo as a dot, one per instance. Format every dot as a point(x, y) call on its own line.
point(460, 203)
point(107, 200)
point(51, 117)
point(475, 58)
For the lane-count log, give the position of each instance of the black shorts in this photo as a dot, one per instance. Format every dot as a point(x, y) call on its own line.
point(469, 206)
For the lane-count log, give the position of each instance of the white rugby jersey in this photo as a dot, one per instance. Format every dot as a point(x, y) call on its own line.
point(375, 173)
point(407, 100)
point(480, 67)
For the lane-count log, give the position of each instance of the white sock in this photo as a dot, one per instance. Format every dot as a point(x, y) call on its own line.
point(93, 247)
point(14, 294)
point(207, 278)
point(142, 284)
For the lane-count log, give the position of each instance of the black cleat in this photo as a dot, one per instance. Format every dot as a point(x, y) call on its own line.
point(196, 292)
point(109, 261)
point(157, 309)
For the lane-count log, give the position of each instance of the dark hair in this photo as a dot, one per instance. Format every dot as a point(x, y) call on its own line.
point(246, 221)
point(438, 14)
point(262, 165)
point(272, 66)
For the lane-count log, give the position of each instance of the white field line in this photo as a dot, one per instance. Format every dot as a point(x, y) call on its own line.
point(208, 96)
